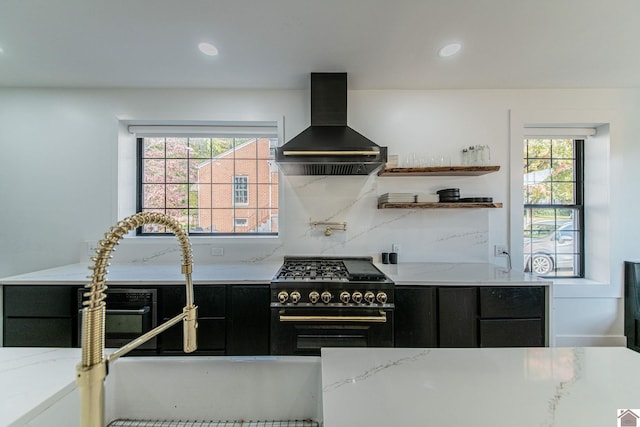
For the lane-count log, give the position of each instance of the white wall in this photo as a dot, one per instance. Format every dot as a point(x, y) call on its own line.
point(59, 178)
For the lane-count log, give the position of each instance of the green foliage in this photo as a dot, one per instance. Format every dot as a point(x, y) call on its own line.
point(549, 169)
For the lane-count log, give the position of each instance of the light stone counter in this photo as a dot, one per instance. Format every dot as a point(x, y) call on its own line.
point(524, 387)
point(143, 274)
point(441, 273)
point(365, 387)
point(32, 380)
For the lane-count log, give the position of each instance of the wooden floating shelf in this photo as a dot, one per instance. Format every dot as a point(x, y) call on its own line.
point(458, 205)
point(440, 171)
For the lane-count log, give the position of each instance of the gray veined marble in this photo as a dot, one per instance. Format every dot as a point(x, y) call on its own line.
point(375, 370)
point(486, 387)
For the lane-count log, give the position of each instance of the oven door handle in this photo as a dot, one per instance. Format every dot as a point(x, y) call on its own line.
point(143, 310)
point(381, 318)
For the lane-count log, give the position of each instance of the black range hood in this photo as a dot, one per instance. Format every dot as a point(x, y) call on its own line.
point(329, 146)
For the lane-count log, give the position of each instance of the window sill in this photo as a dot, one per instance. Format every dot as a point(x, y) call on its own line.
point(584, 288)
point(200, 239)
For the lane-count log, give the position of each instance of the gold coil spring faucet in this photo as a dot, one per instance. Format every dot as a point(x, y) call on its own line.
point(92, 370)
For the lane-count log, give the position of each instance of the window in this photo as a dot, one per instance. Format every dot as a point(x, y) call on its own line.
point(240, 190)
point(241, 222)
point(211, 183)
point(553, 207)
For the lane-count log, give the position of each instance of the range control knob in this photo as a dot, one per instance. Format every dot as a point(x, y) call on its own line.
point(369, 297)
point(314, 297)
point(357, 297)
point(295, 297)
point(326, 297)
point(283, 297)
point(345, 297)
point(381, 297)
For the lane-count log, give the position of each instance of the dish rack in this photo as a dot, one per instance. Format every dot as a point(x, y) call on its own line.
point(238, 423)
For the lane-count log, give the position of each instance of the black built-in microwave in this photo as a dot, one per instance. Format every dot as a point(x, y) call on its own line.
point(130, 312)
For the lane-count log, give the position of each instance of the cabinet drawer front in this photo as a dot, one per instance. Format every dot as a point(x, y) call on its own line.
point(511, 333)
point(38, 332)
point(520, 302)
point(38, 301)
point(210, 300)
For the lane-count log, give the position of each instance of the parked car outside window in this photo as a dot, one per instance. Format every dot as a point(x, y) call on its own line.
point(548, 249)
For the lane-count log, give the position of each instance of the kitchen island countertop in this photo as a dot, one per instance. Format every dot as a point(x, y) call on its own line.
point(489, 387)
point(560, 387)
point(415, 273)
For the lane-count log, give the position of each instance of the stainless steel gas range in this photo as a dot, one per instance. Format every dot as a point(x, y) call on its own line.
point(330, 302)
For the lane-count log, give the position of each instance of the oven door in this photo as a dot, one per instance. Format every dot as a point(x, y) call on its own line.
point(129, 314)
point(304, 331)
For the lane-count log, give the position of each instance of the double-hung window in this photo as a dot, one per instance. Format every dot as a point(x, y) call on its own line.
point(554, 207)
point(215, 180)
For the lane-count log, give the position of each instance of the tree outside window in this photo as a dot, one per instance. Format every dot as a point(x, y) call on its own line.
point(206, 183)
point(553, 210)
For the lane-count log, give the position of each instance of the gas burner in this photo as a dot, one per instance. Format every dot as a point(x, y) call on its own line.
point(313, 269)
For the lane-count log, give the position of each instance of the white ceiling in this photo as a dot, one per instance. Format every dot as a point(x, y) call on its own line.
point(382, 44)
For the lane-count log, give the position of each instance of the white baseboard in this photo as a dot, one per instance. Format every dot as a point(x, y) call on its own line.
point(590, 341)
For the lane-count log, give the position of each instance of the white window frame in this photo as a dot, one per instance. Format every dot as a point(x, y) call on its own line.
point(601, 280)
point(126, 188)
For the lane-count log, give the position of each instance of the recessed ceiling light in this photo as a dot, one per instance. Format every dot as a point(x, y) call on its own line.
point(208, 49)
point(1, 50)
point(449, 49)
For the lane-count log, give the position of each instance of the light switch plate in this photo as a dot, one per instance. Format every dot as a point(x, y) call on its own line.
point(217, 251)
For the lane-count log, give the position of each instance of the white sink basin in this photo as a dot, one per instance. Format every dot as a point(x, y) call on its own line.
point(214, 388)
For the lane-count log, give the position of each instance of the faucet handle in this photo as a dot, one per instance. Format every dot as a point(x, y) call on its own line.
point(190, 326)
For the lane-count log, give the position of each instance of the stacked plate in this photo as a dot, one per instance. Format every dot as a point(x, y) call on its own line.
point(449, 195)
point(427, 198)
point(476, 200)
point(397, 198)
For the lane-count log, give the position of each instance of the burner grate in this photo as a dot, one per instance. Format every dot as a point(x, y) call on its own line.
point(240, 423)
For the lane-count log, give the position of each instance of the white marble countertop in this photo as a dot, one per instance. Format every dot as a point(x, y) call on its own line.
point(32, 379)
point(463, 273)
point(132, 274)
point(364, 387)
point(403, 273)
point(525, 387)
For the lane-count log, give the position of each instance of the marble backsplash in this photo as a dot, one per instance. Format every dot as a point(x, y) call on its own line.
point(424, 235)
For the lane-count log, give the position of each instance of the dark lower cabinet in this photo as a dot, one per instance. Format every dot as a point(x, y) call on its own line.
point(632, 304)
point(512, 316)
point(511, 333)
point(460, 316)
point(415, 317)
point(38, 332)
point(212, 312)
point(248, 320)
point(39, 316)
point(232, 319)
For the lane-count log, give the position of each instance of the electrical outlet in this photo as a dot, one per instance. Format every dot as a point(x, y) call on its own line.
point(499, 250)
point(395, 248)
point(217, 251)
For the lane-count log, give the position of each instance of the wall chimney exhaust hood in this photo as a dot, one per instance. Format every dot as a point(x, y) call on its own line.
point(329, 146)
